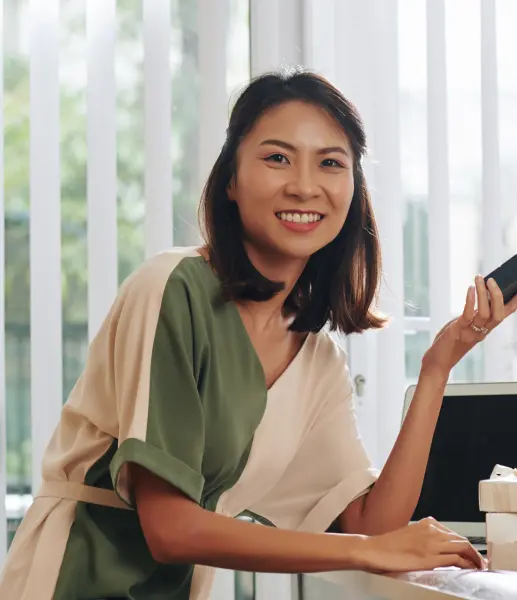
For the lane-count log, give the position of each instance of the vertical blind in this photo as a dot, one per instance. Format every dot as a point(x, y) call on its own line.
point(45, 227)
point(3, 406)
point(158, 125)
point(497, 363)
point(194, 56)
point(438, 167)
point(102, 160)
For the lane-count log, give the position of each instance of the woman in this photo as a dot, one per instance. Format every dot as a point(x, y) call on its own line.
point(211, 389)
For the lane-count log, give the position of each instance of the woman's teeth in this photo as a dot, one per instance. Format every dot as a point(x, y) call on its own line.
point(299, 217)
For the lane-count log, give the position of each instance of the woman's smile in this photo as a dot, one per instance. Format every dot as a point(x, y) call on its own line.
point(300, 221)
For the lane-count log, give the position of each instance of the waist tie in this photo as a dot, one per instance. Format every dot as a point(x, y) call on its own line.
point(70, 490)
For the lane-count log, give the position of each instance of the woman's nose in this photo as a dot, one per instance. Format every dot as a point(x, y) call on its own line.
point(302, 184)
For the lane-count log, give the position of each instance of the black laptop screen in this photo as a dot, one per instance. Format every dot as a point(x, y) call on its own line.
point(473, 434)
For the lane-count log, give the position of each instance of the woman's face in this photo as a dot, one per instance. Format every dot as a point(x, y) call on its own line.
point(294, 182)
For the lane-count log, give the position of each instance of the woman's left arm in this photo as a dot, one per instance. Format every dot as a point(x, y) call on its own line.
point(391, 502)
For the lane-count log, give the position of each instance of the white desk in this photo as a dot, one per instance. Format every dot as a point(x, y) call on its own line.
point(427, 585)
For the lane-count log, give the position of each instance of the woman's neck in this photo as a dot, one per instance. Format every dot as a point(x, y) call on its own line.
point(270, 313)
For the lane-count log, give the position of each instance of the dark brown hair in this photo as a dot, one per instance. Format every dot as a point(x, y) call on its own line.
point(341, 280)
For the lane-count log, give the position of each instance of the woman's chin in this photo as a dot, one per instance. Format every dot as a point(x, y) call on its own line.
point(298, 249)
point(282, 248)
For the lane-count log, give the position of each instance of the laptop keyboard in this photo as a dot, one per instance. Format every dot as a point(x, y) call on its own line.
point(479, 544)
point(477, 540)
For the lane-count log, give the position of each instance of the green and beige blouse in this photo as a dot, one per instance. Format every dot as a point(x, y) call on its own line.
point(172, 383)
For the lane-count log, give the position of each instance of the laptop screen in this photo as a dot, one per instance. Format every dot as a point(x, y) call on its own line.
point(473, 434)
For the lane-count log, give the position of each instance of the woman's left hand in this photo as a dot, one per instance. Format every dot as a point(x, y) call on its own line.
point(461, 334)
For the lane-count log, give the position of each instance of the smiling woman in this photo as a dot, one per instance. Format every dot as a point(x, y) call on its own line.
point(208, 353)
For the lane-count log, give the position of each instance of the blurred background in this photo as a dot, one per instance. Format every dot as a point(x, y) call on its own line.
point(435, 81)
point(130, 164)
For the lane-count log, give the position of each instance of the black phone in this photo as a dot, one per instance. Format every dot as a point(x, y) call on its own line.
point(506, 278)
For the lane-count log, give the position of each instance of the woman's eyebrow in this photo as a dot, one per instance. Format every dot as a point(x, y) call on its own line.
point(287, 146)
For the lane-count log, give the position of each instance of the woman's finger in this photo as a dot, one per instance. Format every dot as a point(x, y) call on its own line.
point(496, 304)
point(511, 307)
point(454, 560)
point(443, 528)
point(483, 312)
point(453, 543)
point(451, 535)
point(448, 534)
point(466, 550)
point(470, 309)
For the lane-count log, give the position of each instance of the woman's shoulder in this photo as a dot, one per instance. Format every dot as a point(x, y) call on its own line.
point(174, 281)
point(328, 352)
point(326, 365)
point(160, 267)
point(175, 268)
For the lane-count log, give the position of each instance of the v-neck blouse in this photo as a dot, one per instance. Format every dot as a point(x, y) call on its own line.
point(172, 382)
point(245, 336)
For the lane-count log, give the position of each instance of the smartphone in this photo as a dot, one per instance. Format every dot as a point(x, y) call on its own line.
point(506, 278)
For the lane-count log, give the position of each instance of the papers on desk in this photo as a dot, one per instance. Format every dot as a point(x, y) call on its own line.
point(499, 493)
point(498, 498)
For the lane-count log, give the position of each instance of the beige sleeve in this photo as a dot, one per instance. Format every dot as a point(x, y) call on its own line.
point(330, 469)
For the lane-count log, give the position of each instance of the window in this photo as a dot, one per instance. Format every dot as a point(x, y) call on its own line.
point(482, 231)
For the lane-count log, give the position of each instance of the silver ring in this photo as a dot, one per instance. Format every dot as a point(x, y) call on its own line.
point(482, 330)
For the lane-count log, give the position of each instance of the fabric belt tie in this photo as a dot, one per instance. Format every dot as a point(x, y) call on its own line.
point(69, 490)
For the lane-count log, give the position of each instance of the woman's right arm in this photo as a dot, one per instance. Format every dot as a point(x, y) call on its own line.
point(178, 530)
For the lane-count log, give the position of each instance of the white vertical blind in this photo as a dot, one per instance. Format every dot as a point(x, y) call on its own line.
point(319, 37)
point(101, 27)
point(223, 587)
point(388, 205)
point(352, 26)
point(265, 36)
point(276, 34)
point(273, 585)
point(438, 167)
point(213, 109)
point(3, 406)
point(290, 18)
point(158, 117)
point(497, 348)
point(45, 228)
point(351, 29)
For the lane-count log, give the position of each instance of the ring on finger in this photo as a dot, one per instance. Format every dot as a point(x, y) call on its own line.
point(481, 330)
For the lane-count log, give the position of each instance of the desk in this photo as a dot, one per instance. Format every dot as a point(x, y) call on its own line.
point(441, 584)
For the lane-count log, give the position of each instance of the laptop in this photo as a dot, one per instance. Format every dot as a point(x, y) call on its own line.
point(476, 429)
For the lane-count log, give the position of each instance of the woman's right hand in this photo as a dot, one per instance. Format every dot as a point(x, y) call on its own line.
point(420, 546)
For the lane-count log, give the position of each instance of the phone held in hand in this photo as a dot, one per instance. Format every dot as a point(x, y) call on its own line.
point(506, 278)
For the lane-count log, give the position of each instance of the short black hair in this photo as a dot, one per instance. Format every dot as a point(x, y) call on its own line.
point(340, 281)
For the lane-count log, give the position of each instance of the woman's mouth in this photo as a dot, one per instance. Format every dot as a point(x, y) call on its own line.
point(301, 222)
point(298, 217)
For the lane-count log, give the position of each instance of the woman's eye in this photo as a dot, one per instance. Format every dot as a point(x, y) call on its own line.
point(278, 158)
point(331, 162)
